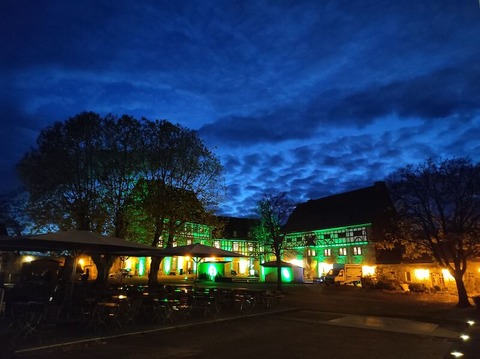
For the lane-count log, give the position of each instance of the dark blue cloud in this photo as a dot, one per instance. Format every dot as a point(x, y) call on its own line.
point(308, 97)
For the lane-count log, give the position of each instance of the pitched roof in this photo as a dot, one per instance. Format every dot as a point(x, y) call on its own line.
point(241, 228)
point(355, 207)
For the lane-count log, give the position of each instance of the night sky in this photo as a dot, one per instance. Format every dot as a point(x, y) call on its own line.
point(310, 97)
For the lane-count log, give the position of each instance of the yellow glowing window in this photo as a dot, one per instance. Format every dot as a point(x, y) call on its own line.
point(342, 251)
point(327, 252)
point(422, 274)
point(357, 251)
point(447, 275)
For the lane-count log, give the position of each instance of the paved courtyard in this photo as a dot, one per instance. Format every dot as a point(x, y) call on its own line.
point(311, 320)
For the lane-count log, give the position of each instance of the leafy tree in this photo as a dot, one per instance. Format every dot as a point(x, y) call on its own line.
point(13, 216)
point(120, 169)
point(438, 204)
point(60, 175)
point(182, 182)
point(274, 210)
point(110, 174)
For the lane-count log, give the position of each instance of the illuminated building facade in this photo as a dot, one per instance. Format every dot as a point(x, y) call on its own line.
point(337, 229)
point(237, 236)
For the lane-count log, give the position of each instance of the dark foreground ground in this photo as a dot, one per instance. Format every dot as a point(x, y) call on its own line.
point(310, 321)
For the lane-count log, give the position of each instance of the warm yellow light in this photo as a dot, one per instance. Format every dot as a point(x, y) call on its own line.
point(470, 322)
point(129, 263)
point(465, 337)
point(457, 354)
point(297, 262)
point(28, 259)
point(323, 268)
point(81, 262)
point(368, 270)
point(243, 265)
point(121, 296)
point(422, 274)
point(447, 275)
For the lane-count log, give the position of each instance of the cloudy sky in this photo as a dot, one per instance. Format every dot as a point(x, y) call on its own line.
point(310, 97)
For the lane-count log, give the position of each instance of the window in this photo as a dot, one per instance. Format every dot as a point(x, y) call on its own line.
point(357, 251)
point(235, 246)
point(342, 251)
point(327, 252)
point(216, 244)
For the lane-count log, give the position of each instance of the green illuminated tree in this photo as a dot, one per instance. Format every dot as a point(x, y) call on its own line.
point(182, 181)
point(274, 210)
point(439, 214)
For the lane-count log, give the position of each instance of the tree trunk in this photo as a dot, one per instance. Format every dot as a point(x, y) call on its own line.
point(463, 301)
point(279, 274)
point(103, 264)
point(155, 263)
point(68, 268)
point(153, 274)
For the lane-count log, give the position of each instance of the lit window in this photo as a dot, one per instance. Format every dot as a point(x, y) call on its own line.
point(216, 244)
point(357, 251)
point(421, 274)
point(327, 252)
point(342, 251)
point(235, 246)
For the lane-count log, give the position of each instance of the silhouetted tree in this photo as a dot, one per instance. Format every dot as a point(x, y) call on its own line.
point(61, 174)
point(438, 204)
point(274, 210)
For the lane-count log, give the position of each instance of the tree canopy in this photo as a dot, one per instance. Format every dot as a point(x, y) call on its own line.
point(438, 204)
point(96, 173)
